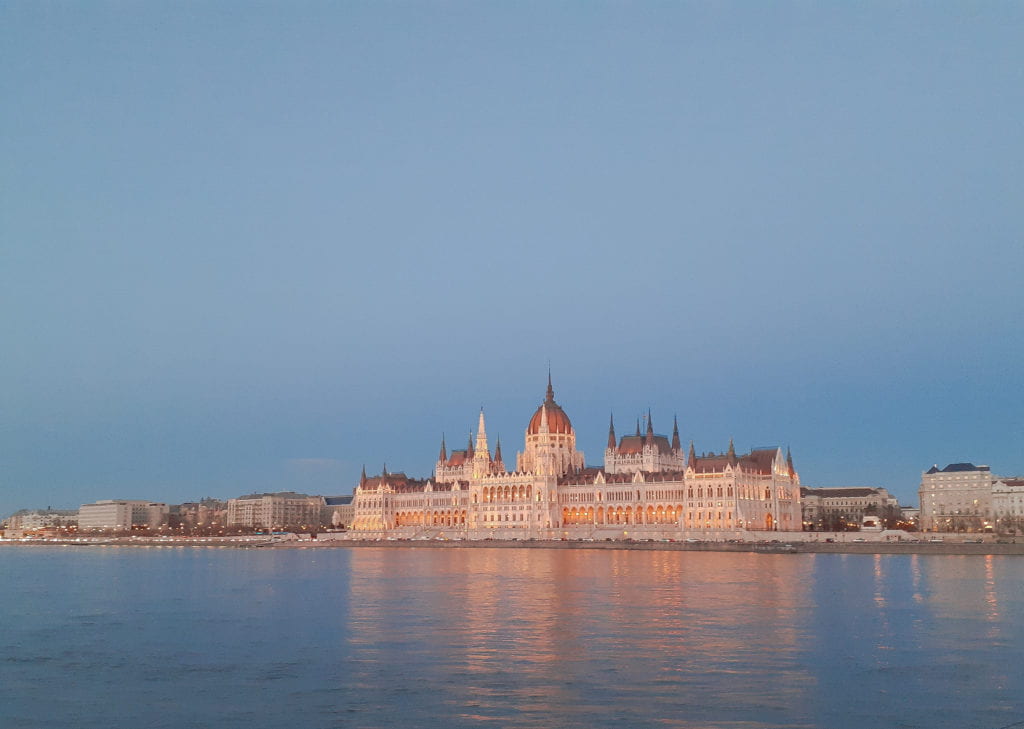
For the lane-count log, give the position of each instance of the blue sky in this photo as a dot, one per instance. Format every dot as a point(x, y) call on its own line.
point(252, 246)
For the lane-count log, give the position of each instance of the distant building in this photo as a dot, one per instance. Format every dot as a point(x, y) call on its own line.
point(206, 514)
point(281, 509)
point(339, 511)
point(29, 519)
point(1008, 504)
point(957, 498)
point(122, 515)
point(838, 509)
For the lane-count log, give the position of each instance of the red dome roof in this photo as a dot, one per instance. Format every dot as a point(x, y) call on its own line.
point(558, 421)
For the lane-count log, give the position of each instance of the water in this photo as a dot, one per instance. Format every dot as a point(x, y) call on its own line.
point(178, 637)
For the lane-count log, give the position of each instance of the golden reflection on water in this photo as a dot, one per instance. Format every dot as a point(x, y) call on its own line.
point(507, 636)
point(577, 628)
point(991, 597)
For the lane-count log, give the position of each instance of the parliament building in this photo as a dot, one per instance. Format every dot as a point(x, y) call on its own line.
point(648, 487)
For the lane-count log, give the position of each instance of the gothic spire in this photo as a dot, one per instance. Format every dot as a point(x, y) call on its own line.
point(638, 427)
point(497, 451)
point(469, 446)
point(731, 455)
point(362, 478)
point(692, 460)
point(675, 434)
point(611, 432)
point(650, 424)
point(551, 392)
point(443, 456)
point(789, 462)
point(481, 438)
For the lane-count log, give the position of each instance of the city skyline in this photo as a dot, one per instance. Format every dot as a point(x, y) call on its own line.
point(255, 248)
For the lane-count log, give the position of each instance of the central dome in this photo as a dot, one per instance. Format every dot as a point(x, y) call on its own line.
point(558, 421)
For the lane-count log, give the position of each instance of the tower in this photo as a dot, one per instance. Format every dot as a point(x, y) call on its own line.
point(481, 453)
point(550, 440)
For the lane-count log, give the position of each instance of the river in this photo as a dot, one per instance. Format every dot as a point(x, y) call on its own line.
point(193, 637)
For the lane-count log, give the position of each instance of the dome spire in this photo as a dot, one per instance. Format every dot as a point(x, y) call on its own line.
point(550, 397)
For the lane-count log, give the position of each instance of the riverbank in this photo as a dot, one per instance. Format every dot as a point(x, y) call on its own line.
point(948, 547)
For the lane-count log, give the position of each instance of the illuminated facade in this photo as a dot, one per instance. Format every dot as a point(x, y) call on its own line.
point(647, 484)
point(956, 498)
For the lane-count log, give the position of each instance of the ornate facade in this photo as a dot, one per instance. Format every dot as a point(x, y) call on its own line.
point(647, 485)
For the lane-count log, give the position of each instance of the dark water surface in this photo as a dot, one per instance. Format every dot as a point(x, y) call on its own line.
point(180, 637)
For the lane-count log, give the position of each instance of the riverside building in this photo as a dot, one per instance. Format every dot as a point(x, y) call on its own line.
point(1008, 504)
point(647, 486)
point(281, 509)
point(956, 498)
point(850, 507)
point(122, 515)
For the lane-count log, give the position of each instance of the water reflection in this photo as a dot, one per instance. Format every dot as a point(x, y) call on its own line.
point(509, 638)
point(598, 637)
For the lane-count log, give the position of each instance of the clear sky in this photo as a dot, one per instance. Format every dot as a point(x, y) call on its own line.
point(252, 246)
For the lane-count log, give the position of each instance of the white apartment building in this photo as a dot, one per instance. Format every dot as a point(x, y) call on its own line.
point(42, 518)
point(830, 509)
point(1008, 504)
point(122, 515)
point(957, 498)
point(282, 509)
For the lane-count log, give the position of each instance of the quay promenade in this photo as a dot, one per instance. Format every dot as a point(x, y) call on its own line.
point(778, 543)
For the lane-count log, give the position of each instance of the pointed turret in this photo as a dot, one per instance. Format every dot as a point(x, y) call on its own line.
point(731, 454)
point(385, 471)
point(611, 433)
point(362, 478)
point(481, 448)
point(638, 427)
point(497, 451)
point(469, 446)
point(691, 461)
point(676, 446)
point(443, 456)
point(649, 438)
point(789, 463)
